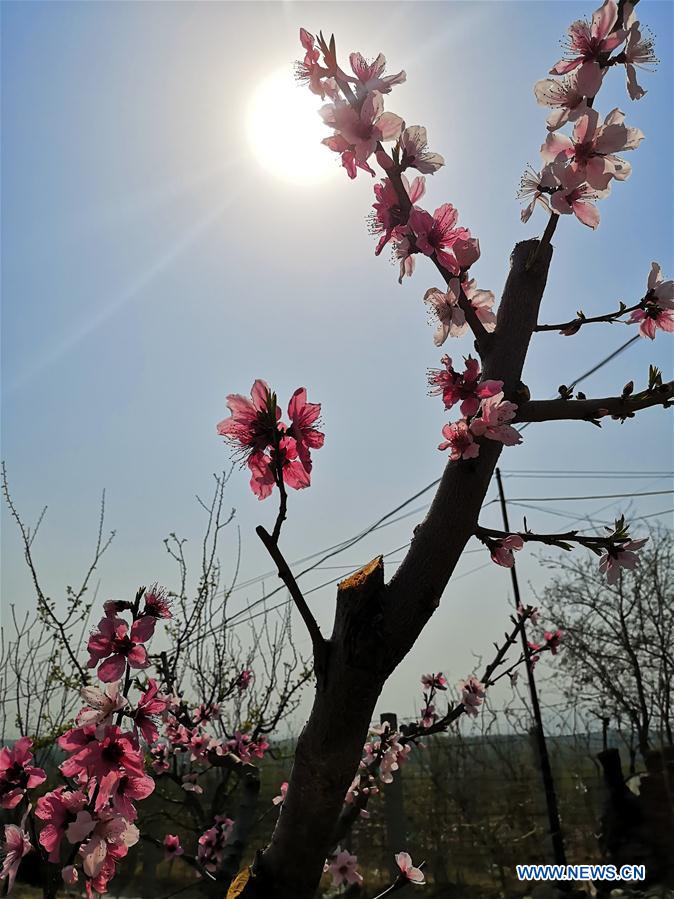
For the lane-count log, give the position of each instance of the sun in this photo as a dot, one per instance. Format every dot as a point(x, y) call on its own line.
point(285, 131)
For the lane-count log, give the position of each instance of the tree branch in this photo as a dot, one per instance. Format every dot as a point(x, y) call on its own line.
point(590, 410)
point(319, 643)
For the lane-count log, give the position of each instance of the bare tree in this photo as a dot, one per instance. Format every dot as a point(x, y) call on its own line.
point(619, 639)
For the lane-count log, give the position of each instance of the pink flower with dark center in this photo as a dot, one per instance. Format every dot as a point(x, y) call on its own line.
point(17, 774)
point(150, 704)
point(205, 712)
point(589, 46)
point(388, 219)
point(403, 252)
point(553, 640)
point(281, 798)
point(436, 234)
point(160, 756)
point(459, 441)
point(253, 424)
point(303, 417)
point(59, 809)
point(113, 642)
point(591, 152)
point(115, 753)
point(244, 680)
point(495, 413)
point(157, 603)
point(362, 130)
point(370, 75)
point(102, 704)
point(472, 693)
point(172, 847)
point(577, 197)
point(13, 848)
point(617, 557)
point(343, 869)
point(502, 550)
point(658, 309)
point(434, 681)
point(639, 52)
point(565, 96)
point(123, 792)
point(465, 387)
point(413, 152)
point(533, 617)
point(407, 869)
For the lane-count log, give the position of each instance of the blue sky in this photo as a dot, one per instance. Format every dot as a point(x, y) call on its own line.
point(150, 266)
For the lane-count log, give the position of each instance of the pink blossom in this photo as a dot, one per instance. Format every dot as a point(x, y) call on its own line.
point(565, 96)
point(495, 412)
point(459, 441)
point(445, 306)
point(70, 875)
point(281, 798)
point(463, 387)
point(303, 417)
point(413, 144)
point(252, 426)
point(244, 680)
point(388, 219)
point(115, 753)
point(343, 869)
point(403, 251)
point(639, 51)
point(436, 234)
point(17, 774)
point(172, 847)
point(534, 187)
point(157, 603)
point(205, 712)
point(212, 843)
point(472, 693)
point(361, 130)
point(150, 704)
point(467, 252)
point(658, 308)
point(102, 704)
point(502, 550)
point(310, 72)
point(370, 75)
point(589, 44)
point(111, 838)
point(113, 643)
point(434, 681)
point(482, 302)
point(121, 792)
point(533, 617)
point(591, 152)
point(13, 848)
point(617, 557)
point(340, 145)
point(160, 756)
point(407, 870)
point(59, 809)
point(264, 468)
point(190, 784)
point(428, 715)
point(553, 640)
point(577, 197)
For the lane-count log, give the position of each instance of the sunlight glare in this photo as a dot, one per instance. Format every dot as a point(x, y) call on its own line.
point(285, 131)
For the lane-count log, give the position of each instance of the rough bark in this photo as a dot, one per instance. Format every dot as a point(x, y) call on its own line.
point(377, 624)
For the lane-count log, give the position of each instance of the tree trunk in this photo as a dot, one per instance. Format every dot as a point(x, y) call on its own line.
point(376, 624)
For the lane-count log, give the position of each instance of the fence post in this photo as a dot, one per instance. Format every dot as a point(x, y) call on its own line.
point(394, 811)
